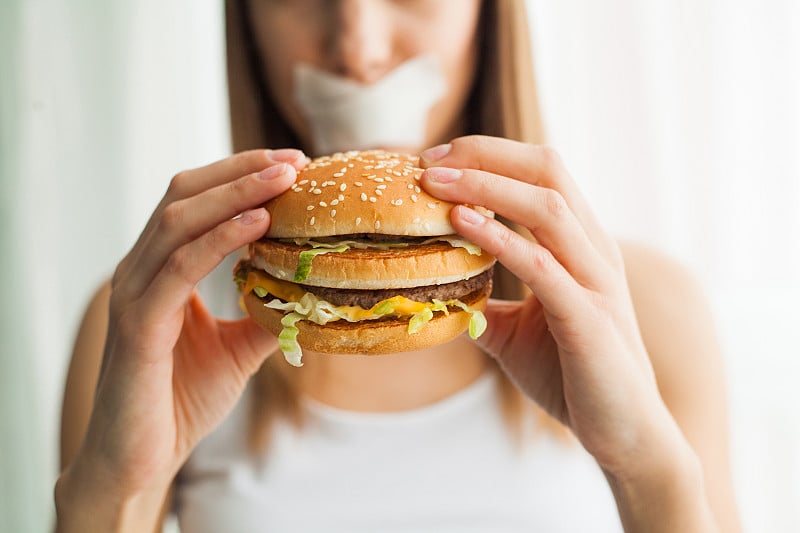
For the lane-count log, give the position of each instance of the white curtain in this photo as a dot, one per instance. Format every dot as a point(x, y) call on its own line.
point(680, 119)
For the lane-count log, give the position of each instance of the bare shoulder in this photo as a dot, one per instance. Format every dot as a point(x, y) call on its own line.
point(674, 317)
point(678, 330)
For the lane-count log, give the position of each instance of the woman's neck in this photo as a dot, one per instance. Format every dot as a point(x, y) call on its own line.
point(394, 382)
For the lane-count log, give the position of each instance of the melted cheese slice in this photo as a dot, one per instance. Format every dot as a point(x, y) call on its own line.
point(289, 292)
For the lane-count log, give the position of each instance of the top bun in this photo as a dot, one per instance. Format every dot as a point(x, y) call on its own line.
point(359, 192)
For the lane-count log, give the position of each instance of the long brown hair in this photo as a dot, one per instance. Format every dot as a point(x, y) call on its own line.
point(503, 103)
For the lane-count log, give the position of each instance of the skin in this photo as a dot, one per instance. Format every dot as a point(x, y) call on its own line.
point(617, 342)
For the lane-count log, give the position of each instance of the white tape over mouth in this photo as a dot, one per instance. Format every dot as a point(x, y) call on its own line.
point(392, 112)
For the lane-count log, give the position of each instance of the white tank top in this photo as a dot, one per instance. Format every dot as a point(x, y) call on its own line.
point(448, 467)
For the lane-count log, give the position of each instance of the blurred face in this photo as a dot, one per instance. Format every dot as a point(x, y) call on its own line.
point(363, 40)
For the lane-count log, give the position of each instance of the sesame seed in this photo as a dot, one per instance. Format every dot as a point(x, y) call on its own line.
point(414, 198)
point(342, 187)
point(311, 221)
point(432, 205)
point(302, 182)
point(317, 191)
point(363, 197)
point(343, 170)
point(373, 199)
point(410, 186)
point(341, 197)
point(387, 178)
point(358, 221)
point(313, 184)
point(381, 187)
point(398, 202)
point(323, 204)
point(309, 208)
point(379, 180)
point(417, 189)
point(377, 224)
point(298, 189)
point(333, 213)
point(358, 183)
point(379, 192)
point(338, 174)
point(334, 201)
point(397, 173)
point(351, 165)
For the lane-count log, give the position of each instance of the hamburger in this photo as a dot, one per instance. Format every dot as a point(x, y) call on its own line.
point(359, 259)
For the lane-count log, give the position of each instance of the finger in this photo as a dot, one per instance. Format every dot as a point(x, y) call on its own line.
point(191, 182)
point(531, 262)
point(185, 267)
point(535, 164)
point(542, 210)
point(185, 220)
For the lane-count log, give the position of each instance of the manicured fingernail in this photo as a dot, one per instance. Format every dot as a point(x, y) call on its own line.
point(270, 173)
point(443, 174)
point(251, 217)
point(287, 155)
point(470, 216)
point(436, 153)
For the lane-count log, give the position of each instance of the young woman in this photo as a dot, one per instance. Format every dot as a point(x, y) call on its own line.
point(612, 341)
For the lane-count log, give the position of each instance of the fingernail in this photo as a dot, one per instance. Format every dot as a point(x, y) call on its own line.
point(470, 216)
point(251, 217)
point(443, 174)
point(286, 155)
point(436, 153)
point(270, 173)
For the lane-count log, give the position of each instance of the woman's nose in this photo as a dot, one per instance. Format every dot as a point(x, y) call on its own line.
point(362, 40)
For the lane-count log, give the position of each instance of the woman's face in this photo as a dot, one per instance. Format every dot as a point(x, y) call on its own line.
point(363, 40)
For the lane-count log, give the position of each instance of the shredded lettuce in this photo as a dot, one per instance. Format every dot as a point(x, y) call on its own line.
point(304, 261)
point(457, 242)
point(319, 311)
point(477, 320)
point(419, 319)
point(287, 340)
point(453, 240)
point(361, 245)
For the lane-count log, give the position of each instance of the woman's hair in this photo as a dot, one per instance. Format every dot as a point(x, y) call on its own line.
point(503, 102)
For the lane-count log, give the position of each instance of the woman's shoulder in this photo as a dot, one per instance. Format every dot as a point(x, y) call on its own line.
point(674, 315)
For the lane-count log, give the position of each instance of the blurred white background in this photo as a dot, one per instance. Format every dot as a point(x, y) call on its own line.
point(680, 118)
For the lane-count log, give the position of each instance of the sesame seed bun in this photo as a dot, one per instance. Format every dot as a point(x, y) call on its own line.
point(359, 192)
point(413, 266)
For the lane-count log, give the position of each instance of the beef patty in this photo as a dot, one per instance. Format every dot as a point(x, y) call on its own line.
point(368, 298)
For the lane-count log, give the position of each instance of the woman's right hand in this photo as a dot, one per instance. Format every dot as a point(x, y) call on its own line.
point(171, 371)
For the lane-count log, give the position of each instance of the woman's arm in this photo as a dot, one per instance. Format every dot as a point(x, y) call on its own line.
point(679, 333)
point(575, 346)
point(79, 394)
point(170, 370)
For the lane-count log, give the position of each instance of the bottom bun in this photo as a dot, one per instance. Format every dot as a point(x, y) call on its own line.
point(370, 337)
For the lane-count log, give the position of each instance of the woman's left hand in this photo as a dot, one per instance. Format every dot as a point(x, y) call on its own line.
point(573, 346)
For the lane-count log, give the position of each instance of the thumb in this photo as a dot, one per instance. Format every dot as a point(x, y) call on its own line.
point(250, 344)
point(501, 317)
